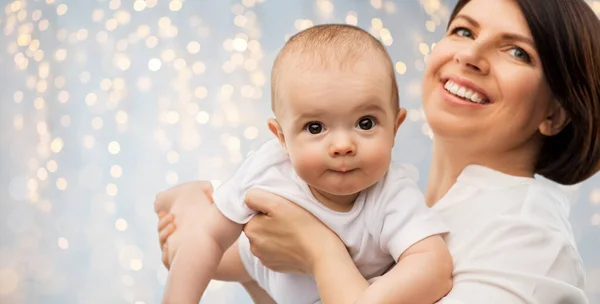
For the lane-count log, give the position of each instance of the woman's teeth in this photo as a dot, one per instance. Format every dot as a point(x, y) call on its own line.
point(464, 93)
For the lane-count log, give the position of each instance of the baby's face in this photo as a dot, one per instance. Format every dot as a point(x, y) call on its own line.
point(339, 126)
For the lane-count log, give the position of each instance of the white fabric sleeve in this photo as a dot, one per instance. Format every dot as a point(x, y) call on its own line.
point(401, 217)
point(261, 169)
point(515, 260)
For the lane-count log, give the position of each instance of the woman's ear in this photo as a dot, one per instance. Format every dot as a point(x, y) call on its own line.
point(556, 120)
point(275, 128)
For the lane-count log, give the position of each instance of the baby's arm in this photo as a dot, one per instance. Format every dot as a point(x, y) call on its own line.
point(423, 275)
point(198, 257)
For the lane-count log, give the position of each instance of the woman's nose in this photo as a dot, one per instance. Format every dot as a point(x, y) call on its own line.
point(473, 59)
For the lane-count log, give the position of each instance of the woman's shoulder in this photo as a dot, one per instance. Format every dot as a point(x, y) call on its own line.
point(529, 199)
point(547, 205)
point(528, 221)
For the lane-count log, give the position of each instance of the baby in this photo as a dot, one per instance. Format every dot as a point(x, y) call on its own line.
point(335, 100)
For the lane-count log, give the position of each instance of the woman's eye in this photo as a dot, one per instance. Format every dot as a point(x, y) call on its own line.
point(314, 127)
point(520, 54)
point(463, 32)
point(366, 123)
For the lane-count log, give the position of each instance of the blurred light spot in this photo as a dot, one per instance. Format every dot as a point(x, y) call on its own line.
point(595, 196)
point(400, 67)
point(376, 23)
point(121, 224)
point(201, 92)
point(251, 132)
point(240, 20)
point(414, 115)
point(175, 5)
point(114, 147)
point(424, 48)
point(61, 9)
point(116, 171)
point(430, 26)
point(352, 19)
point(136, 264)
point(139, 5)
point(172, 157)
point(97, 123)
point(18, 122)
point(144, 83)
point(56, 145)
point(151, 42)
point(172, 117)
point(111, 189)
point(325, 6)
point(172, 178)
point(240, 44)
point(61, 183)
point(91, 99)
point(154, 64)
point(121, 117)
point(193, 47)
point(63, 243)
point(199, 67)
point(42, 173)
point(88, 141)
point(52, 166)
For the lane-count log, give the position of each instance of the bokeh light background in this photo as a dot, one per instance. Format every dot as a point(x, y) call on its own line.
point(103, 103)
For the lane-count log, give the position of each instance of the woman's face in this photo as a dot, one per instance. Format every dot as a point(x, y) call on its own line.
point(484, 87)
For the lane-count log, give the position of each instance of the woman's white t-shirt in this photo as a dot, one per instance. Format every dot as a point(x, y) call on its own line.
point(511, 241)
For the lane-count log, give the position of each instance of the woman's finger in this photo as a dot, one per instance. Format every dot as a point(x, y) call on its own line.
point(164, 234)
point(164, 221)
point(262, 201)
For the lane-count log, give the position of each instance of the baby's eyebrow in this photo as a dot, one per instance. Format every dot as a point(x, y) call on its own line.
point(370, 107)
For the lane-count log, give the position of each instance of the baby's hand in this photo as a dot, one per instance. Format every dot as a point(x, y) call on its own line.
point(166, 227)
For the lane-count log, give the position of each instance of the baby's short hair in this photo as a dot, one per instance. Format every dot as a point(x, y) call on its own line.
point(329, 45)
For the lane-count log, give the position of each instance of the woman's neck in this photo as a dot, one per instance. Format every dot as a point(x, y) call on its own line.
point(444, 170)
point(450, 158)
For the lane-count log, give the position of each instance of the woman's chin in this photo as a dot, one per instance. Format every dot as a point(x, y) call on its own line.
point(446, 125)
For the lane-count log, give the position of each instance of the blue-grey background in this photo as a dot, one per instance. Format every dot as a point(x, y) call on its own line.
point(103, 103)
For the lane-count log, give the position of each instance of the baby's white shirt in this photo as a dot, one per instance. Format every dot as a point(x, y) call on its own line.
point(385, 220)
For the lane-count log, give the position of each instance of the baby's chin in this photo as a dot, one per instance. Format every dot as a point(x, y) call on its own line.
point(343, 188)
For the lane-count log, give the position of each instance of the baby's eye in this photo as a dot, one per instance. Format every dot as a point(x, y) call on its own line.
point(314, 127)
point(366, 123)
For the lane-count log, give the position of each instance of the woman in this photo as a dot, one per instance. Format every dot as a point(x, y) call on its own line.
point(512, 90)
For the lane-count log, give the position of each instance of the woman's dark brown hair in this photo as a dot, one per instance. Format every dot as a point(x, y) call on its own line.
point(567, 39)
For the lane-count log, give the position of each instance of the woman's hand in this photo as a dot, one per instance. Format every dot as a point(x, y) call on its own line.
point(286, 237)
point(180, 207)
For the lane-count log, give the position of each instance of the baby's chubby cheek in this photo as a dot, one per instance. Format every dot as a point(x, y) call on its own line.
point(377, 163)
point(307, 164)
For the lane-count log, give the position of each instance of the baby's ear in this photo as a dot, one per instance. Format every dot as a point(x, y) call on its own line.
point(400, 117)
point(276, 130)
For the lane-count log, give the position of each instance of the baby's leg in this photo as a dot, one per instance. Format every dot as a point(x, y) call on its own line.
point(231, 268)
